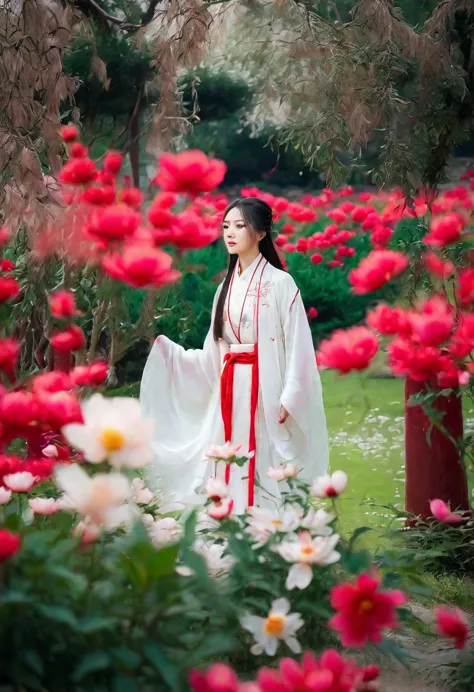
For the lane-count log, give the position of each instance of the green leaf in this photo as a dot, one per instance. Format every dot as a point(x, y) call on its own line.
point(58, 614)
point(189, 534)
point(33, 661)
point(126, 657)
point(95, 623)
point(161, 663)
point(91, 663)
point(123, 683)
point(214, 645)
point(76, 581)
point(15, 597)
point(358, 533)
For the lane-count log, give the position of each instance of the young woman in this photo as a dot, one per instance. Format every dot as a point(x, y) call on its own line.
point(254, 383)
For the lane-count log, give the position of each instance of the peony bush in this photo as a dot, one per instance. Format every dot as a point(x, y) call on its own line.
point(107, 585)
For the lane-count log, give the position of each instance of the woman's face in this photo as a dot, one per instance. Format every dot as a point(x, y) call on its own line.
point(238, 237)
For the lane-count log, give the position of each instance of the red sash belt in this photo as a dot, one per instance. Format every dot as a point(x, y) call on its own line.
point(227, 398)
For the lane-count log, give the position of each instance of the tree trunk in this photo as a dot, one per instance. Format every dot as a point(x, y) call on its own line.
point(434, 468)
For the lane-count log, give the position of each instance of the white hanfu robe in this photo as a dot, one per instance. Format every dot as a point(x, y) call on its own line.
point(181, 393)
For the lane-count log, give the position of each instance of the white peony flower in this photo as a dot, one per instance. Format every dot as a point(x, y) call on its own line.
point(217, 563)
point(113, 429)
point(142, 495)
point(262, 523)
point(279, 625)
point(318, 522)
point(43, 505)
point(5, 495)
point(164, 531)
point(307, 551)
point(89, 533)
point(20, 482)
point(281, 473)
point(329, 486)
point(101, 499)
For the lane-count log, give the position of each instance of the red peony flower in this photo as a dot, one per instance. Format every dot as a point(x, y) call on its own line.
point(71, 339)
point(9, 288)
point(18, 408)
point(462, 341)
point(69, 133)
point(78, 151)
point(90, 375)
point(466, 286)
point(377, 269)
point(9, 351)
point(418, 362)
point(348, 350)
point(113, 162)
point(364, 610)
point(189, 172)
point(219, 677)
point(337, 215)
point(387, 320)
point(114, 223)
point(445, 230)
point(316, 258)
point(9, 544)
point(62, 305)
point(381, 236)
point(435, 265)
point(330, 673)
point(100, 196)
point(59, 409)
point(6, 265)
point(52, 382)
point(453, 624)
point(131, 196)
point(77, 172)
point(312, 313)
point(434, 324)
point(141, 265)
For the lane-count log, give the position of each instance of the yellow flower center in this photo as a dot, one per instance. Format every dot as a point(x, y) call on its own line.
point(112, 440)
point(307, 550)
point(276, 522)
point(274, 625)
point(366, 606)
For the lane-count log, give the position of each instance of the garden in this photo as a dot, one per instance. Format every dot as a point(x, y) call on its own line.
point(121, 145)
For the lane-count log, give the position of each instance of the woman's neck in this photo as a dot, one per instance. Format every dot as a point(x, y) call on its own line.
point(246, 259)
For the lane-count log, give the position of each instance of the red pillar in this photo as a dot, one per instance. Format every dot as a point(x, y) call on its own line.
point(433, 464)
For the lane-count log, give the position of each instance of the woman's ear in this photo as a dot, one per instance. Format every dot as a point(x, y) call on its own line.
point(261, 235)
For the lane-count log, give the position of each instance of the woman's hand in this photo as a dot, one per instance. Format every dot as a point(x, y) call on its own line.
point(283, 414)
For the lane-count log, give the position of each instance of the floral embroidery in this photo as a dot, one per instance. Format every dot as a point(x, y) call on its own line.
point(261, 292)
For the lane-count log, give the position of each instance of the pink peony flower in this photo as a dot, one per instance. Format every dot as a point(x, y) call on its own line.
point(442, 513)
point(329, 486)
point(20, 482)
point(216, 490)
point(280, 473)
point(223, 452)
point(43, 505)
point(5, 495)
point(221, 509)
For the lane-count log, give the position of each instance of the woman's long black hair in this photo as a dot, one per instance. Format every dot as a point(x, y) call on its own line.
point(258, 216)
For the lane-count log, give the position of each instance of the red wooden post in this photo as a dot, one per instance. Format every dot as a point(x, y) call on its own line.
point(433, 468)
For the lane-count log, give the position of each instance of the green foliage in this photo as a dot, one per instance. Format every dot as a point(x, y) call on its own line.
point(217, 94)
point(127, 67)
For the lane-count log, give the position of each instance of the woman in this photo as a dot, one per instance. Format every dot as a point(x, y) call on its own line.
point(254, 383)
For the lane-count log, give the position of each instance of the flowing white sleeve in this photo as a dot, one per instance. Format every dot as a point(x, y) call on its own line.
point(302, 391)
point(179, 393)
